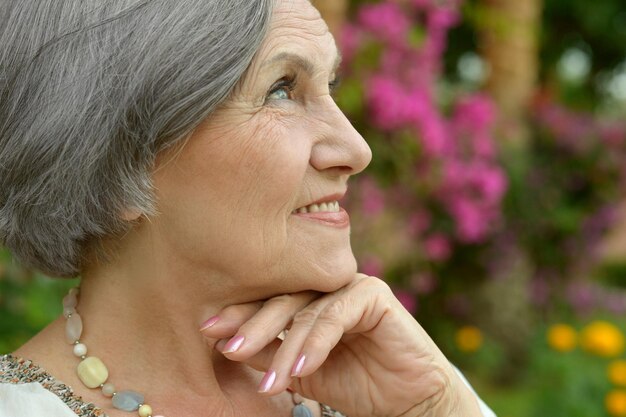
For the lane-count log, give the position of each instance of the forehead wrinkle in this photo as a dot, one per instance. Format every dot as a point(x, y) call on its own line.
point(300, 61)
point(305, 64)
point(283, 22)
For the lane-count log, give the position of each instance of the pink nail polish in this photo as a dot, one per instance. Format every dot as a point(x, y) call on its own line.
point(267, 381)
point(233, 344)
point(297, 367)
point(209, 323)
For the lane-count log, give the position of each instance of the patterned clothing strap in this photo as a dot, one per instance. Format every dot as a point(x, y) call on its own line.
point(329, 412)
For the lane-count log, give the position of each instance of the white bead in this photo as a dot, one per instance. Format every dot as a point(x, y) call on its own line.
point(73, 328)
point(70, 301)
point(68, 311)
point(80, 350)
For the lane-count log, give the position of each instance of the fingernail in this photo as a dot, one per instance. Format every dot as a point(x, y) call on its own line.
point(297, 367)
point(233, 344)
point(209, 323)
point(267, 381)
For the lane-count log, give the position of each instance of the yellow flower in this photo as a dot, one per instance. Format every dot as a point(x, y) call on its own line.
point(615, 403)
point(617, 372)
point(602, 338)
point(562, 337)
point(469, 339)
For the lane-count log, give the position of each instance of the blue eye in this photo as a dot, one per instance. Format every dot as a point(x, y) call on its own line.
point(281, 93)
point(282, 89)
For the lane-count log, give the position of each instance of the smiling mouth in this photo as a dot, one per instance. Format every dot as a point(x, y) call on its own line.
point(330, 207)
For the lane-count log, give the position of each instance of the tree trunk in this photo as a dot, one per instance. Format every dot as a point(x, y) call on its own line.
point(334, 13)
point(508, 36)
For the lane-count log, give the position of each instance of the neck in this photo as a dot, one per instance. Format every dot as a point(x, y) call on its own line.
point(141, 316)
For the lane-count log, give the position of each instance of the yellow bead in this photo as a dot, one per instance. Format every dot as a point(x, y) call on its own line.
point(145, 411)
point(92, 372)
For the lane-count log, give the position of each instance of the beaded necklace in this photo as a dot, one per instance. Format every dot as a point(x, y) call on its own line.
point(93, 373)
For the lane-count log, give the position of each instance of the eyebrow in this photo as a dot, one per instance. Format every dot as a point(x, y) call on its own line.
point(304, 63)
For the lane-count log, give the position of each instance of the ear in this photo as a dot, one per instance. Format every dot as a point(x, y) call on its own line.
point(131, 214)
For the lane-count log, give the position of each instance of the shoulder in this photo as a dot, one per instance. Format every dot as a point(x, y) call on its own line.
point(27, 390)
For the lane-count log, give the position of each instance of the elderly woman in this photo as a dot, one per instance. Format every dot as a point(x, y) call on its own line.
point(186, 159)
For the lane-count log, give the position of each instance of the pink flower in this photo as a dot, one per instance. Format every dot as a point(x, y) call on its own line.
point(454, 176)
point(350, 40)
point(386, 102)
point(391, 59)
point(475, 113)
point(422, 4)
point(386, 21)
point(407, 299)
point(485, 183)
point(434, 135)
point(443, 17)
point(491, 183)
point(438, 247)
point(472, 221)
point(483, 145)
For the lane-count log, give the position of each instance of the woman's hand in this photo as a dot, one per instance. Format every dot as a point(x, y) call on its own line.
point(357, 350)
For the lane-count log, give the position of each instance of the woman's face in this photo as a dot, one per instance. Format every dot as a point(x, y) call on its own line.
point(230, 200)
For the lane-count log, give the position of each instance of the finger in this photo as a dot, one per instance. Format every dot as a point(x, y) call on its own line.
point(266, 324)
point(290, 358)
point(263, 359)
point(226, 323)
point(358, 310)
point(285, 361)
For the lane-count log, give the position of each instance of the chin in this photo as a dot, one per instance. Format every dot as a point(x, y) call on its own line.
point(334, 275)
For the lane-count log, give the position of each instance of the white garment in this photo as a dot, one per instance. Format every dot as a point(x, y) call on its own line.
point(31, 400)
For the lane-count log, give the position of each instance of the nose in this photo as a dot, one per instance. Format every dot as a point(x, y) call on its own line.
point(340, 146)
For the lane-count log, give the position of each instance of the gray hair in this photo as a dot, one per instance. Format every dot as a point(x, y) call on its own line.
point(90, 92)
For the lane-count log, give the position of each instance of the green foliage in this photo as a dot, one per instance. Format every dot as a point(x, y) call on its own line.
point(571, 384)
point(28, 302)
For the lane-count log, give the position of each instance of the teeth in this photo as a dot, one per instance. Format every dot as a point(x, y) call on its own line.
point(332, 207)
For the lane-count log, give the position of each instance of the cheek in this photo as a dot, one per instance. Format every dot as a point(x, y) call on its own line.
point(272, 166)
point(226, 200)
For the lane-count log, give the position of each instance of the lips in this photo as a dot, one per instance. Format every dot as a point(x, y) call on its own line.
point(327, 212)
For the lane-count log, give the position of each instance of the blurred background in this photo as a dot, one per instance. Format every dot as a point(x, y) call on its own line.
point(495, 204)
